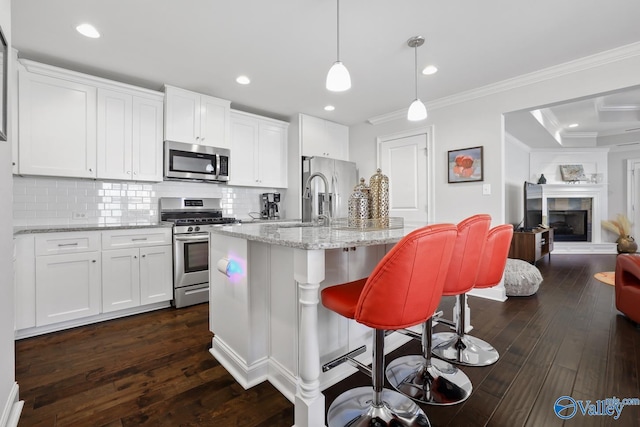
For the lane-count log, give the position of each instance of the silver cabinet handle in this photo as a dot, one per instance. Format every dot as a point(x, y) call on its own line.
point(144, 256)
point(135, 257)
point(93, 260)
point(67, 244)
point(138, 239)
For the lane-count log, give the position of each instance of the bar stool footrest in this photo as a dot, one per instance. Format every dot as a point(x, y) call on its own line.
point(345, 358)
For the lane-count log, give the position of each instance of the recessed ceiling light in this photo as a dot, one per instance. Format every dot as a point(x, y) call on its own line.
point(429, 69)
point(329, 108)
point(88, 30)
point(574, 125)
point(243, 80)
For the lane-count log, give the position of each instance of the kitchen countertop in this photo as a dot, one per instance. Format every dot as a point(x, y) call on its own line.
point(313, 237)
point(30, 229)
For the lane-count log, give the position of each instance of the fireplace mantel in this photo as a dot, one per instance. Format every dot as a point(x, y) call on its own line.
point(598, 194)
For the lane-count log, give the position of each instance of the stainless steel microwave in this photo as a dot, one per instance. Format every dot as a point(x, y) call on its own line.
point(195, 162)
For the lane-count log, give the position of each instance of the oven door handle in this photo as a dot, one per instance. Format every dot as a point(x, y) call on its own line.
point(191, 237)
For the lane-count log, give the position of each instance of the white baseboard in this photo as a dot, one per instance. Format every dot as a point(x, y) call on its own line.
point(247, 375)
point(12, 408)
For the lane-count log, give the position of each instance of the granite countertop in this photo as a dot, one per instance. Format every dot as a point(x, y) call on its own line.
point(29, 229)
point(313, 237)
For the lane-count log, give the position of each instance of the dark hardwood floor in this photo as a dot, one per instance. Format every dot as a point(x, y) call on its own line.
point(155, 369)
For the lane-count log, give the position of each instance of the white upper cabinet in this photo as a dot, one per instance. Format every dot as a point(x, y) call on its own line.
point(57, 126)
point(129, 136)
point(195, 118)
point(76, 125)
point(258, 151)
point(323, 138)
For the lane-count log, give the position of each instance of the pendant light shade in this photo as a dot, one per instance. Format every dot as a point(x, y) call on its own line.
point(338, 78)
point(417, 110)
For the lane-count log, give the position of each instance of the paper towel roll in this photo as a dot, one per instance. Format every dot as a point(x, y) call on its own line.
point(223, 266)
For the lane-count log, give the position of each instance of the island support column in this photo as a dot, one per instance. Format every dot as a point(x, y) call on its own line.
point(309, 401)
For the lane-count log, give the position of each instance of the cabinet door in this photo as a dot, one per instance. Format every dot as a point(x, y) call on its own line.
point(120, 279)
point(324, 138)
point(147, 139)
point(244, 137)
point(337, 143)
point(182, 115)
point(57, 127)
point(114, 135)
point(156, 274)
point(313, 136)
point(67, 287)
point(214, 122)
point(272, 155)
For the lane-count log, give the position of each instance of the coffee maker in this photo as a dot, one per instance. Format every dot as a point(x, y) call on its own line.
point(269, 205)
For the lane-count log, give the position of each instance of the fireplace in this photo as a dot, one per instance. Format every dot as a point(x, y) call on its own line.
point(570, 225)
point(570, 218)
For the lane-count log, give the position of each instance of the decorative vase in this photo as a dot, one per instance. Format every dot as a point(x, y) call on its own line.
point(627, 245)
point(542, 179)
point(379, 191)
point(359, 206)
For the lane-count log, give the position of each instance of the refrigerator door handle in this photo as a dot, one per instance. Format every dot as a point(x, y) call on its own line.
point(336, 197)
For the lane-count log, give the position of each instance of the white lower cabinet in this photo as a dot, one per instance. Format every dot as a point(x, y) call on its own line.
point(121, 279)
point(66, 277)
point(67, 287)
point(136, 276)
point(138, 268)
point(156, 274)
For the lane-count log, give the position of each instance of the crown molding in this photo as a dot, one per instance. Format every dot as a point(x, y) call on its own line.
point(585, 63)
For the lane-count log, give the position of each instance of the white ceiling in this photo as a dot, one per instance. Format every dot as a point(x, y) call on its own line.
point(606, 120)
point(287, 46)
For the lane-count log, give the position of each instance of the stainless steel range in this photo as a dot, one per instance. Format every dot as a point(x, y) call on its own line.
point(192, 219)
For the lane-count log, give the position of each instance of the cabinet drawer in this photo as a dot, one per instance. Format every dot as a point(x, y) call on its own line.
point(66, 243)
point(119, 239)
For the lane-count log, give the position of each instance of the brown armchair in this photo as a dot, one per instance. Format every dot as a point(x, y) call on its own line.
point(628, 286)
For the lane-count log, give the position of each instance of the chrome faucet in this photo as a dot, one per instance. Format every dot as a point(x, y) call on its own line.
point(325, 196)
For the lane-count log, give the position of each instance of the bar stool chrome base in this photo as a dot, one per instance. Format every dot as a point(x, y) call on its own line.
point(441, 383)
point(464, 350)
point(354, 408)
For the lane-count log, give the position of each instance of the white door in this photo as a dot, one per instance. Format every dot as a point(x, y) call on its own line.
point(404, 160)
point(272, 143)
point(633, 196)
point(214, 122)
point(182, 121)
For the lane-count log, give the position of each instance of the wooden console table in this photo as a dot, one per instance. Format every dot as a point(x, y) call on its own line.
point(532, 245)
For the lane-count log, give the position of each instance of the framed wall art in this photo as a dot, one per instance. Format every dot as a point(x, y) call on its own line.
point(4, 60)
point(465, 165)
point(572, 173)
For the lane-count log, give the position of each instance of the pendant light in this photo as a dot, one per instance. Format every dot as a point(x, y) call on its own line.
point(338, 78)
point(417, 110)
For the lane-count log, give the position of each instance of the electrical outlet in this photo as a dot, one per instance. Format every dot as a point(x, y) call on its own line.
point(79, 215)
point(486, 189)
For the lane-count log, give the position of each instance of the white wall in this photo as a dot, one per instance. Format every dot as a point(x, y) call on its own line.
point(516, 173)
point(7, 352)
point(476, 118)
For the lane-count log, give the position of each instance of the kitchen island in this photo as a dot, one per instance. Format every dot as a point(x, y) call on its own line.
point(264, 305)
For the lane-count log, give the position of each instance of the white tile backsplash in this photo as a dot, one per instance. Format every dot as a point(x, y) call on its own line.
point(53, 201)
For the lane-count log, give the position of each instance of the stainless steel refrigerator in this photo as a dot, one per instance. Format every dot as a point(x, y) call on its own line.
point(341, 177)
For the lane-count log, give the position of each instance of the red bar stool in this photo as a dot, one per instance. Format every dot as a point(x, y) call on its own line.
point(402, 291)
point(460, 347)
point(435, 381)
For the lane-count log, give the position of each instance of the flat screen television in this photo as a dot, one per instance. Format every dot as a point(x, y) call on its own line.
point(532, 206)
